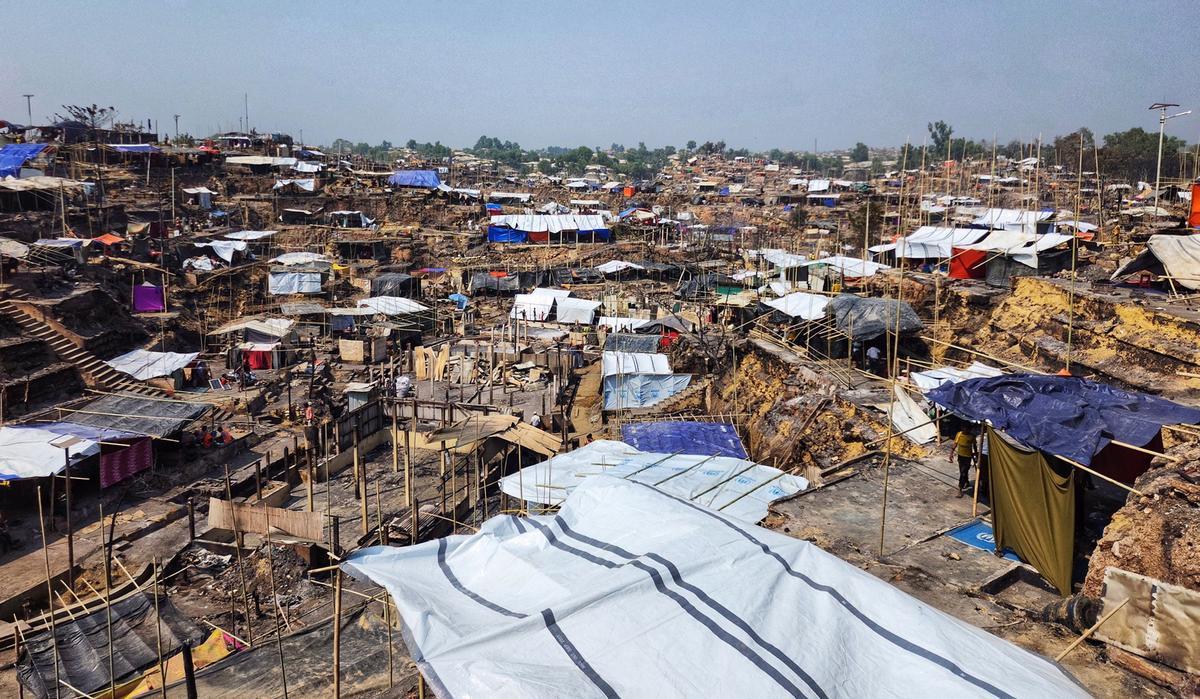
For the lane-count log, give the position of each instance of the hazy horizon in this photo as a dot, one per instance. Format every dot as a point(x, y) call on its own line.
point(552, 74)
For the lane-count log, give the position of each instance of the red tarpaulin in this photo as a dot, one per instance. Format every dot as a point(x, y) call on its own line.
point(120, 462)
point(967, 264)
point(539, 236)
point(259, 359)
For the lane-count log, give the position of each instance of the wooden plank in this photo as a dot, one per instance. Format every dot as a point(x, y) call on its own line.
point(302, 525)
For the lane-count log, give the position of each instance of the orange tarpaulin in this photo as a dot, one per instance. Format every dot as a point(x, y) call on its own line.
point(217, 646)
point(108, 239)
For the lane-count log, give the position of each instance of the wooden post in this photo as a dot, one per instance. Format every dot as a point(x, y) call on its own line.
point(363, 498)
point(395, 438)
point(309, 457)
point(275, 607)
point(162, 673)
point(106, 549)
point(50, 591)
point(191, 510)
point(189, 672)
point(237, 549)
point(70, 529)
point(337, 634)
point(257, 479)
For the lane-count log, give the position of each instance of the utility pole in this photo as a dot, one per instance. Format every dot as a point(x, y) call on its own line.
point(29, 108)
point(246, 108)
point(176, 127)
point(1162, 108)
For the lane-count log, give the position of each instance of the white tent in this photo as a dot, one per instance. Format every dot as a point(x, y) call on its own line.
point(614, 266)
point(573, 310)
point(537, 304)
point(849, 266)
point(144, 364)
point(932, 242)
point(622, 325)
point(631, 591)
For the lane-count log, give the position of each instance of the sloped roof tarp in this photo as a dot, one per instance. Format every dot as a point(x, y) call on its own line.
point(485, 281)
point(393, 284)
point(224, 249)
point(552, 223)
point(631, 591)
point(300, 258)
point(867, 318)
point(801, 305)
point(781, 259)
point(731, 485)
point(392, 305)
point(619, 324)
point(1063, 415)
point(423, 179)
point(144, 364)
point(248, 235)
point(134, 148)
point(573, 310)
point(1177, 256)
point(936, 242)
point(29, 452)
point(632, 363)
point(83, 645)
point(614, 266)
point(849, 266)
point(685, 437)
point(14, 156)
point(629, 342)
point(143, 416)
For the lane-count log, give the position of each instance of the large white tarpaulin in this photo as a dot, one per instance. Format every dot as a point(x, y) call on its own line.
point(614, 266)
point(573, 310)
point(801, 305)
point(537, 304)
point(294, 283)
point(935, 242)
point(635, 363)
point(300, 258)
point(1177, 255)
point(737, 487)
point(249, 235)
point(392, 305)
point(630, 591)
point(144, 364)
point(849, 266)
point(909, 418)
point(539, 223)
point(30, 452)
point(618, 324)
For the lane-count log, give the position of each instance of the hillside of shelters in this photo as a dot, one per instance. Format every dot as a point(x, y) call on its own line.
point(281, 418)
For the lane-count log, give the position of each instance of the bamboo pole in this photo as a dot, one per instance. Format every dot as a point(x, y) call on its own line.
point(1087, 634)
point(275, 606)
point(49, 591)
point(237, 549)
point(107, 551)
point(162, 673)
point(337, 635)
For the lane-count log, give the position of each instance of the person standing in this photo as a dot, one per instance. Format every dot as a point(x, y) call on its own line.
point(964, 448)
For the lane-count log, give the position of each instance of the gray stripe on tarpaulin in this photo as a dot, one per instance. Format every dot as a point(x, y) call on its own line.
point(660, 585)
point(704, 597)
point(454, 582)
point(574, 654)
point(890, 636)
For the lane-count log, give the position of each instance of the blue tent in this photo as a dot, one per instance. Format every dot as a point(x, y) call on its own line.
point(424, 179)
point(1062, 415)
point(15, 155)
point(493, 208)
point(500, 234)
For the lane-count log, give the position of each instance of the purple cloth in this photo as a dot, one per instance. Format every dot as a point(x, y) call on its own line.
point(147, 298)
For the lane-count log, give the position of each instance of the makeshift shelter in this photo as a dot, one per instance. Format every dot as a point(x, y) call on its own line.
point(536, 305)
point(14, 156)
point(148, 298)
point(540, 228)
point(80, 645)
point(864, 319)
point(295, 282)
point(145, 364)
point(639, 380)
point(137, 415)
point(31, 452)
point(1174, 256)
point(631, 591)
point(391, 305)
point(395, 284)
point(572, 310)
point(801, 305)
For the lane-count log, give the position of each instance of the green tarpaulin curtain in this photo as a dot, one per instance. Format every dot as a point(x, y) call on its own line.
point(1033, 508)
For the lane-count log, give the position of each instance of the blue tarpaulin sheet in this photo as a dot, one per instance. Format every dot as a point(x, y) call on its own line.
point(979, 535)
point(460, 300)
point(494, 208)
point(425, 179)
point(15, 155)
point(500, 234)
point(134, 148)
point(629, 391)
point(685, 437)
point(1062, 415)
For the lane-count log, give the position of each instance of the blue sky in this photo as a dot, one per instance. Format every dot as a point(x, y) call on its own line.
point(755, 74)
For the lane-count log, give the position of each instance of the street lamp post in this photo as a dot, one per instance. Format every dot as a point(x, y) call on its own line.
point(1162, 108)
point(176, 127)
point(29, 108)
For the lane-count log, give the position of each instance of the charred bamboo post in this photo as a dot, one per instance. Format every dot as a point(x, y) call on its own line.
point(337, 635)
point(162, 673)
point(237, 549)
point(107, 550)
point(50, 591)
point(275, 606)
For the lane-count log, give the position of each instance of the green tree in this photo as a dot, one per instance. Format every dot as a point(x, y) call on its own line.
point(1133, 154)
point(859, 220)
point(1066, 149)
point(691, 145)
point(860, 153)
point(939, 135)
